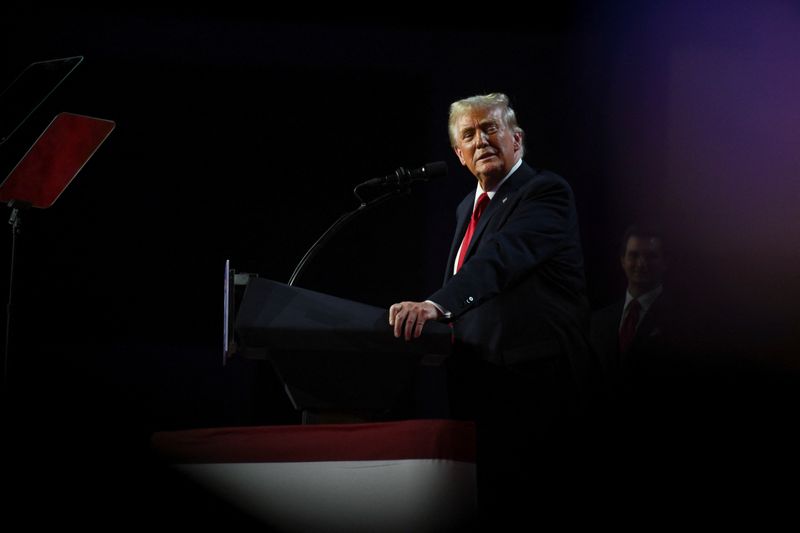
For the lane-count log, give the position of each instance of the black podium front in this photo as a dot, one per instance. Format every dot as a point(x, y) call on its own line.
point(338, 359)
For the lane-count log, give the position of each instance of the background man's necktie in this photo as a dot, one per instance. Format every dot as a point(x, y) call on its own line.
point(628, 329)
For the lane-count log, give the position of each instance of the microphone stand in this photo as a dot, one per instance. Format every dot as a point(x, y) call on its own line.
point(342, 220)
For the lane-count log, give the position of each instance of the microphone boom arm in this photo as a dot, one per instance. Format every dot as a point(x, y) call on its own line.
point(340, 222)
point(401, 182)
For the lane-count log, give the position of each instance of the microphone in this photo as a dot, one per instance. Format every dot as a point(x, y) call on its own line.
point(402, 177)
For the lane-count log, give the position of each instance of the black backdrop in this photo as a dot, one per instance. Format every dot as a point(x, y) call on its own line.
point(240, 135)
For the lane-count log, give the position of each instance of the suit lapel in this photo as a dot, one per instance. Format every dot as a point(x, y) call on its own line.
point(503, 198)
point(651, 322)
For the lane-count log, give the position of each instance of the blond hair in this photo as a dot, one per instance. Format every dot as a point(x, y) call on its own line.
point(482, 101)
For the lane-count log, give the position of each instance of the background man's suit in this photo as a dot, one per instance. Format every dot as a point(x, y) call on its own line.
point(650, 394)
point(652, 346)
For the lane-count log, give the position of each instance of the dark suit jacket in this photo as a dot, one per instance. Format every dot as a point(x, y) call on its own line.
point(520, 295)
point(654, 350)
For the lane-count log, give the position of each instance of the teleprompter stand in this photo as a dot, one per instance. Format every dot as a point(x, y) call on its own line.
point(42, 174)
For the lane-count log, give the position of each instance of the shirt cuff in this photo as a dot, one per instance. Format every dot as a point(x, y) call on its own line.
point(445, 314)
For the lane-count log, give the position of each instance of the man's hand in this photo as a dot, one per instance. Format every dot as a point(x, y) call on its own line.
point(408, 318)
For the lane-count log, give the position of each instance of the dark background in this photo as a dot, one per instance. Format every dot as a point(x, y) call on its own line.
point(240, 134)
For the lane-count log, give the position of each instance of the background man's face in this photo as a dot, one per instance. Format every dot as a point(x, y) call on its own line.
point(643, 262)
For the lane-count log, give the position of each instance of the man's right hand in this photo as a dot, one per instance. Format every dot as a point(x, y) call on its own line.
point(408, 318)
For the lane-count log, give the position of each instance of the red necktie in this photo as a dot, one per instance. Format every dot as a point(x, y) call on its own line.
point(483, 201)
point(628, 329)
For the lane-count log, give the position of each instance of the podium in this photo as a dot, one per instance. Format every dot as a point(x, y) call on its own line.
point(408, 475)
point(338, 359)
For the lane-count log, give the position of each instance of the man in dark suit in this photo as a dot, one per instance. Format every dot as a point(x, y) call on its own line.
point(633, 336)
point(514, 292)
point(650, 400)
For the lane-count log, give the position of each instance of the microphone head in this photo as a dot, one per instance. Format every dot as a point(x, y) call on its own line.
point(433, 170)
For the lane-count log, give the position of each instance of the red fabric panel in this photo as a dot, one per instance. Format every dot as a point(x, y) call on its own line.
point(409, 439)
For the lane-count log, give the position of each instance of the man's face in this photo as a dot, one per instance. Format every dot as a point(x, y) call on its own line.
point(643, 262)
point(485, 145)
